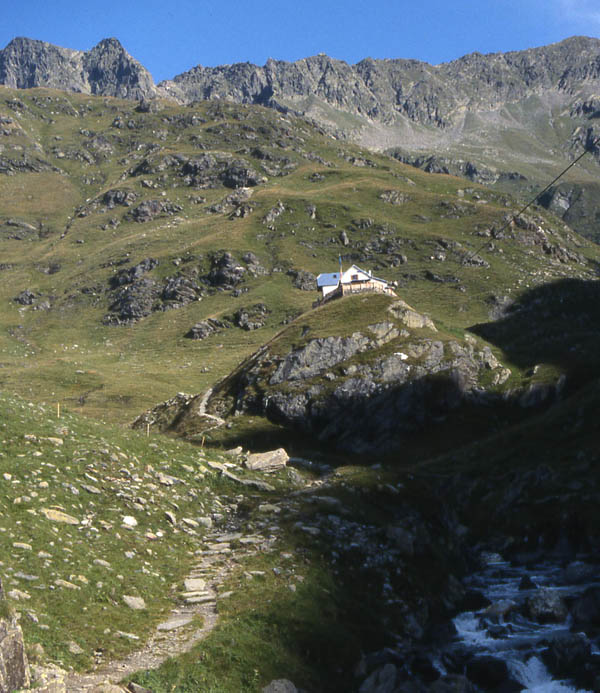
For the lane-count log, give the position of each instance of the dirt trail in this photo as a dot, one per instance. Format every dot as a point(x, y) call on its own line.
point(186, 625)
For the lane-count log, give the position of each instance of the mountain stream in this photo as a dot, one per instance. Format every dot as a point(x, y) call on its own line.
point(502, 631)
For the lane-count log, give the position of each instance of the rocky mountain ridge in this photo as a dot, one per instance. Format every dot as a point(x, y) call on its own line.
point(378, 89)
point(383, 89)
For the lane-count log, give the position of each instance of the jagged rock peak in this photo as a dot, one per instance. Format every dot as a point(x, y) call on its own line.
point(107, 69)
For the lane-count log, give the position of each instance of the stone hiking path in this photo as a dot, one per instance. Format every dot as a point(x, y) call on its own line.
point(187, 624)
point(202, 410)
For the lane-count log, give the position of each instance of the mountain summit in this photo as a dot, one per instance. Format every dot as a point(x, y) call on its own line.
point(107, 69)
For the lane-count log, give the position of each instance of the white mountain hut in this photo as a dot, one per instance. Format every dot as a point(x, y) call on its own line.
point(353, 281)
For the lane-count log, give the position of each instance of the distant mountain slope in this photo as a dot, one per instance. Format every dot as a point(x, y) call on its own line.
point(509, 120)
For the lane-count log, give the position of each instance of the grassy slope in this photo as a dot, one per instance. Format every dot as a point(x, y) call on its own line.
point(52, 463)
point(66, 354)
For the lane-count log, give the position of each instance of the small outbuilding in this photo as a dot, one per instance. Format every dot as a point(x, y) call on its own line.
point(353, 281)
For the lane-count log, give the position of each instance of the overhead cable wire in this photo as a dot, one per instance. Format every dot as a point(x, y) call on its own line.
point(512, 218)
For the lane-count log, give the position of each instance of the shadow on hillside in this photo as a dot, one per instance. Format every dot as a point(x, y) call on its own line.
point(556, 324)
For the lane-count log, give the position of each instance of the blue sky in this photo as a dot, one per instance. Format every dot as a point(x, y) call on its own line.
point(171, 37)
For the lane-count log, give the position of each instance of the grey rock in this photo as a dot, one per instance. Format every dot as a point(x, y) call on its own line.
point(225, 272)
point(567, 653)
point(270, 461)
point(280, 686)
point(118, 196)
point(303, 280)
point(133, 302)
point(135, 603)
point(107, 69)
point(586, 608)
point(382, 680)
point(150, 209)
point(14, 667)
point(252, 317)
point(25, 298)
point(318, 355)
point(546, 606)
point(179, 291)
point(205, 328)
point(128, 276)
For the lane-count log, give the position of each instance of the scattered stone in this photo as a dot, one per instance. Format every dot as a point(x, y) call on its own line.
point(59, 516)
point(175, 622)
point(18, 595)
point(194, 584)
point(75, 649)
point(101, 562)
point(66, 584)
point(135, 603)
point(127, 636)
point(280, 686)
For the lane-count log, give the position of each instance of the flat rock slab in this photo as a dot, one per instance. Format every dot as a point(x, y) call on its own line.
point(59, 516)
point(194, 584)
point(267, 461)
point(200, 593)
point(200, 600)
point(175, 622)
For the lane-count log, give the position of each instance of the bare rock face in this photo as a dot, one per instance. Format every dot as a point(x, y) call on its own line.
point(383, 89)
point(14, 667)
point(107, 69)
point(111, 71)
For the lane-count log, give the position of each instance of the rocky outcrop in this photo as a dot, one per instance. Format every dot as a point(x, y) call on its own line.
point(205, 328)
point(367, 390)
point(107, 69)
point(14, 667)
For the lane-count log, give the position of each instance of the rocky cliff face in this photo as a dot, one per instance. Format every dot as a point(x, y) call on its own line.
point(366, 391)
point(107, 69)
point(384, 89)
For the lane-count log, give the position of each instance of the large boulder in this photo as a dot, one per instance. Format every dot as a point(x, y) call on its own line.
point(586, 608)
point(382, 680)
point(270, 461)
point(133, 302)
point(225, 272)
point(318, 355)
point(567, 653)
point(280, 686)
point(546, 606)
